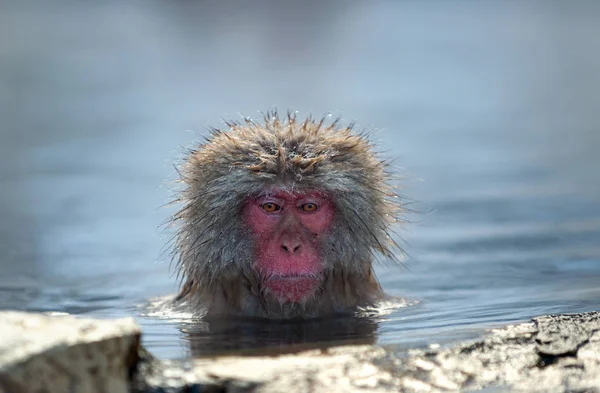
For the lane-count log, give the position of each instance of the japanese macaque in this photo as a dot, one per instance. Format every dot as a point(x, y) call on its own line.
point(283, 219)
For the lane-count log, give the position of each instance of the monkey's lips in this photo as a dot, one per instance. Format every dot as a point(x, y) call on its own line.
point(293, 288)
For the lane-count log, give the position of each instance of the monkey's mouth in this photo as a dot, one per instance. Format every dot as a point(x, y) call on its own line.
point(293, 288)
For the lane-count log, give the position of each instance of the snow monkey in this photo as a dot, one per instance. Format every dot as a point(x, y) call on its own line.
point(283, 219)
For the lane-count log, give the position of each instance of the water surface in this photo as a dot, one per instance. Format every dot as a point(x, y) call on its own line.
point(490, 111)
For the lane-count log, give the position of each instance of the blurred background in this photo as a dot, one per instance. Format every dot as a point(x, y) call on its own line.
point(490, 109)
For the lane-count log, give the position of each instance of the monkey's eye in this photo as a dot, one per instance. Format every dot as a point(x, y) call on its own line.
point(270, 207)
point(309, 207)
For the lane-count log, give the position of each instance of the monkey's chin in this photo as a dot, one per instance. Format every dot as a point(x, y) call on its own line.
point(292, 289)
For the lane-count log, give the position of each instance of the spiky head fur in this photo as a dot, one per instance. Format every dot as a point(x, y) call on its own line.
point(214, 250)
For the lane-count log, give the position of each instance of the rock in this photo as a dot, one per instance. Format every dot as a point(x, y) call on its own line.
point(553, 353)
point(40, 353)
point(562, 335)
point(340, 369)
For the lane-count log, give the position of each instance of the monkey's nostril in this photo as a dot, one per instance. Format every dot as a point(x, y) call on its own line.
point(290, 248)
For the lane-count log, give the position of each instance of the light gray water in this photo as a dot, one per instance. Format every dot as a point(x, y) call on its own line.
point(491, 109)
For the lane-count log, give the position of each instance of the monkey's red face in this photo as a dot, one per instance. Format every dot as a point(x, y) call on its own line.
point(287, 229)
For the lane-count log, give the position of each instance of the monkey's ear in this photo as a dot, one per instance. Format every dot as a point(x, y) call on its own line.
point(187, 288)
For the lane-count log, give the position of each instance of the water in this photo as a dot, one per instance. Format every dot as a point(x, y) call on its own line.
point(491, 112)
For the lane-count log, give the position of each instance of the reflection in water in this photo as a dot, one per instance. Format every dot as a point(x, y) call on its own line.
point(259, 336)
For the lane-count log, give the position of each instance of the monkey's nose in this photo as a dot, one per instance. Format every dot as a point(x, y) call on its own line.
point(291, 246)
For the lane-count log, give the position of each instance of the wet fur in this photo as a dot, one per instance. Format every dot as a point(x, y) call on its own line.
point(214, 249)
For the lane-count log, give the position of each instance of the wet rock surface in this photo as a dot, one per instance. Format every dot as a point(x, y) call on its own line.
point(41, 353)
point(551, 354)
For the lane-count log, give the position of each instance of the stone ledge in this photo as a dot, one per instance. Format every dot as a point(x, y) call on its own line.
point(40, 353)
point(551, 354)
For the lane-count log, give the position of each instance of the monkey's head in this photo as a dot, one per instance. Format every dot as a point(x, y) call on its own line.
point(282, 219)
